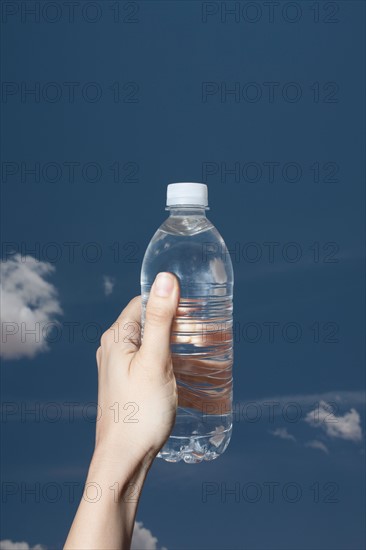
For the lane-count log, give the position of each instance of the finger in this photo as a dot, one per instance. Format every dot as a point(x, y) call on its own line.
point(126, 330)
point(160, 311)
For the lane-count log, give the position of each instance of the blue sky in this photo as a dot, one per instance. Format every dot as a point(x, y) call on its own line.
point(271, 116)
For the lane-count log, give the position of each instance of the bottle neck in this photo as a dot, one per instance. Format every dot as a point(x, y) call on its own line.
point(185, 211)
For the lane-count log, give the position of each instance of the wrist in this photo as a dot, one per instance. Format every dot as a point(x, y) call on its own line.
point(119, 464)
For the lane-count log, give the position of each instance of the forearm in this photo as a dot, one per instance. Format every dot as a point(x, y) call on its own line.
point(106, 514)
point(126, 444)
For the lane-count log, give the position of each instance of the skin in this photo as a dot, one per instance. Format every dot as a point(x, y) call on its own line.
point(137, 402)
point(128, 439)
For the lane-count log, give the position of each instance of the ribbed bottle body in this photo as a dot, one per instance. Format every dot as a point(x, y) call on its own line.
point(189, 246)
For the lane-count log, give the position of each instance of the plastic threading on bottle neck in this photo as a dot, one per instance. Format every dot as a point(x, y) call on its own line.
point(187, 207)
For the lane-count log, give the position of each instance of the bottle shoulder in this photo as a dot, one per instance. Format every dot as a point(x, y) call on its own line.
point(189, 250)
point(185, 225)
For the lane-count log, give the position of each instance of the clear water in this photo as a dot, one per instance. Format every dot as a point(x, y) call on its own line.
point(188, 245)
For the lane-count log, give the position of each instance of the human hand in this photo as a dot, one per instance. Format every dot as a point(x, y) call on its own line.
point(137, 401)
point(137, 394)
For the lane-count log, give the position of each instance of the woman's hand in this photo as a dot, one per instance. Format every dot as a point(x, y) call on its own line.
point(137, 397)
point(137, 401)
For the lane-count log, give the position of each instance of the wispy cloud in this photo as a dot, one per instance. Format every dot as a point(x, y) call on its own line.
point(29, 306)
point(10, 545)
point(347, 426)
point(108, 284)
point(318, 410)
point(316, 444)
point(308, 399)
point(282, 433)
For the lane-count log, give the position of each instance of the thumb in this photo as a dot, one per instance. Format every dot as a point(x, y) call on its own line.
point(160, 311)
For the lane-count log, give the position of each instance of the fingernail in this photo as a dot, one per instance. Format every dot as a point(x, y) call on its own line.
point(164, 284)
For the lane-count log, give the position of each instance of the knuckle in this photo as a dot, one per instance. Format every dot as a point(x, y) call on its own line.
point(130, 331)
point(106, 339)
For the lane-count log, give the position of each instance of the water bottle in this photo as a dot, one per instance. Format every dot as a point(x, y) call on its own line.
point(188, 245)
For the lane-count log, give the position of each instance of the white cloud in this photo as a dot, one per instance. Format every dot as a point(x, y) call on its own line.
point(347, 426)
point(315, 444)
point(143, 539)
point(282, 433)
point(28, 303)
point(108, 285)
point(10, 545)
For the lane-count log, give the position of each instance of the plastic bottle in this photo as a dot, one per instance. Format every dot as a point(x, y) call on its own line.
point(188, 245)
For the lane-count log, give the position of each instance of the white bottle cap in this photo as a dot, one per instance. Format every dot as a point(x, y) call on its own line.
point(192, 194)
